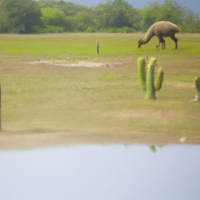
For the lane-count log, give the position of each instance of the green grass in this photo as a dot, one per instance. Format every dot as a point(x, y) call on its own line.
point(85, 45)
point(109, 100)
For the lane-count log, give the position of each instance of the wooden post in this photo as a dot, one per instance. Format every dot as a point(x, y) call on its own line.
point(97, 48)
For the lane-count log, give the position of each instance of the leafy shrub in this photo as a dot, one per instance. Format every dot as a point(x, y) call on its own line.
point(118, 30)
point(130, 30)
point(54, 29)
point(91, 30)
point(126, 30)
point(48, 29)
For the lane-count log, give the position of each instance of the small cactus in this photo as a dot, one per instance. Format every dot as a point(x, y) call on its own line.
point(146, 77)
point(197, 87)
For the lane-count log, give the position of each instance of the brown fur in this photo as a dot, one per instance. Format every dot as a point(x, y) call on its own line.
point(161, 29)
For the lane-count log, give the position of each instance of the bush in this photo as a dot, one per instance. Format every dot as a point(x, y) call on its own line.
point(54, 29)
point(112, 30)
point(130, 30)
point(48, 29)
point(38, 29)
point(91, 30)
point(126, 30)
point(118, 30)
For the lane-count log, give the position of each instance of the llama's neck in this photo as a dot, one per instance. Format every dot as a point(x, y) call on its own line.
point(147, 37)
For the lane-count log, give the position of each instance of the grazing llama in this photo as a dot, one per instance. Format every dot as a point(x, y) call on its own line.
point(161, 29)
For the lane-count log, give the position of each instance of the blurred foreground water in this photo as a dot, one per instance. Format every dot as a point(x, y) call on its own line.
point(101, 172)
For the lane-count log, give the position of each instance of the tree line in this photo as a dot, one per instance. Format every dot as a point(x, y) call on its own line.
point(115, 16)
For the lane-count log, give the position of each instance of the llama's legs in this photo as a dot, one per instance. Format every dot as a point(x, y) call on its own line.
point(163, 44)
point(162, 41)
point(175, 40)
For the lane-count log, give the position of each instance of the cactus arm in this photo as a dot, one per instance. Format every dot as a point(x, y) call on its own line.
point(146, 77)
point(142, 72)
point(197, 86)
point(150, 91)
point(159, 79)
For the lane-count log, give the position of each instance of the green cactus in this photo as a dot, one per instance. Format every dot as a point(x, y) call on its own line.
point(146, 77)
point(197, 87)
point(142, 72)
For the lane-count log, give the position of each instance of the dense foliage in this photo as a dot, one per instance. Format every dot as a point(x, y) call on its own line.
point(28, 16)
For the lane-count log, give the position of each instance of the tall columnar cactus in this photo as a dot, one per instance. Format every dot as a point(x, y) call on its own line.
point(197, 87)
point(146, 77)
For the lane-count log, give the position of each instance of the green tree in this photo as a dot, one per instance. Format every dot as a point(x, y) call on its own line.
point(69, 24)
point(82, 21)
point(69, 8)
point(169, 11)
point(70, 16)
point(53, 16)
point(148, 17)
point(115, 14)
point(191, 23)
point(26, 16)
point(19, 16)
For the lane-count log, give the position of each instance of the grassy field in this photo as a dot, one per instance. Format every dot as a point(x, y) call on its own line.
point(52, 104)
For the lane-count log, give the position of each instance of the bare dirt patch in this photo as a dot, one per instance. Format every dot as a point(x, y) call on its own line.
point(78, 64)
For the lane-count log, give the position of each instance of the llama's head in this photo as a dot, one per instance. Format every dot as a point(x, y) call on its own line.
point(139, 43)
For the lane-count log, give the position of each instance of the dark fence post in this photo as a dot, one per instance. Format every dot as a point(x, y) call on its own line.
point(97, 48)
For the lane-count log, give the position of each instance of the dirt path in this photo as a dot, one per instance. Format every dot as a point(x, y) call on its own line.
point(78, 64)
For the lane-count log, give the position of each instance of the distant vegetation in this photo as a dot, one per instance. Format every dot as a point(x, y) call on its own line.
point(43, 16)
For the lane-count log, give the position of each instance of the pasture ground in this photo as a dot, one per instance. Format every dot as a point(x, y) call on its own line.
point(45, 104)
